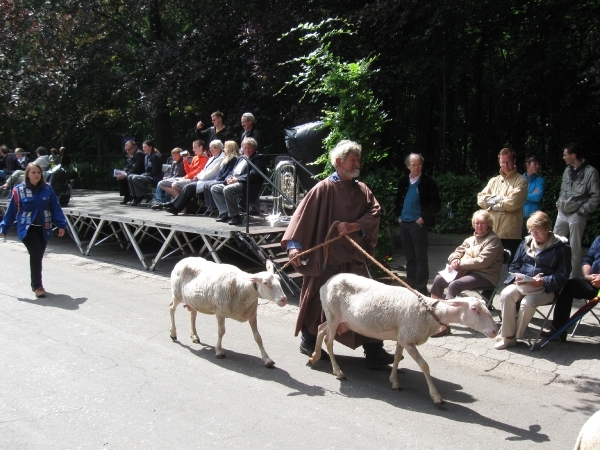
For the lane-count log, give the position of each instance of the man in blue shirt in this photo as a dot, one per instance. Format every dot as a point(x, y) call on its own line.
point(417, 203)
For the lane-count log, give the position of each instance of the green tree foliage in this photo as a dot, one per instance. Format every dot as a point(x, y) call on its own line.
point(458, 81)
point(350, 109)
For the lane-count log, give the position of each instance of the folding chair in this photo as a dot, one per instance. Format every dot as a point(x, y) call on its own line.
point(546, 317)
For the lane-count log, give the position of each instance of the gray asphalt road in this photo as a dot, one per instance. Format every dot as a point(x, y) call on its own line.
point(92, 367)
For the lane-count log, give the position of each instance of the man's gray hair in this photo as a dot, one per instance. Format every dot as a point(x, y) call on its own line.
point(216, 143)
point(131, 142)
point(249, 116)
point(412, 155)
point(250, 141)
point(343, 149)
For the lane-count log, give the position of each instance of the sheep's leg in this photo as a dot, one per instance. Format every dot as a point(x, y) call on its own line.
point(254, 325)
point(316, 356)
point(331, 330)
point(221, 331)
point(194, 334)
point(172, 308)
point(414, 353)
point(394, 375)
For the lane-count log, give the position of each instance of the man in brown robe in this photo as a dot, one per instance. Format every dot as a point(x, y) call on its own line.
point(353, 204)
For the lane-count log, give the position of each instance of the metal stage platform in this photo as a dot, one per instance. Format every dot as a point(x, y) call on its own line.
point(96, 217)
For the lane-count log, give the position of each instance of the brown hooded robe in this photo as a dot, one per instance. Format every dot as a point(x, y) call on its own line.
point(328, 201)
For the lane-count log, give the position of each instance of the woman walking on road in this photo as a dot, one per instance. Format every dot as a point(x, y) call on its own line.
point(34, 206)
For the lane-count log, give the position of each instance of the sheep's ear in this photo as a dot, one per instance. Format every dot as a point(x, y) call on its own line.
point(269, 265)
point(255, 279)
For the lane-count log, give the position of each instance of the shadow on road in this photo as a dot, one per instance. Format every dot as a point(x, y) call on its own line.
point(253, 366)
point(363, 383)
point(56, 301)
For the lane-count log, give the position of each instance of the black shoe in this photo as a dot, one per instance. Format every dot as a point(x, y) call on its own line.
point(171, 209)
point(161, 206)
point(308, 348)
point(236, 220)
point(223, 218)
point(562, 337)
point(377, 358)
point(125, 200)
point(136, 201)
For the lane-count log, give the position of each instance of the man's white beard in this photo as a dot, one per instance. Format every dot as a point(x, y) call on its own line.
point(352, 173)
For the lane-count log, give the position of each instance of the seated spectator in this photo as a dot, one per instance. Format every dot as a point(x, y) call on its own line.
point(206, 175)
point(232, 152)
point(42, 160)
point(585, 287)
point(3, 157)
point(54, 157)
point(139, 185)
point(546, 258)
point(228, 194)
point(173, 186)
point(478, 261)
point(217, 131)
point(175, 171)
point(133, 166)
point(65, 160)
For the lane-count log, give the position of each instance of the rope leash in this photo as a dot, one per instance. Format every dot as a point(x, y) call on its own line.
point(328, 241)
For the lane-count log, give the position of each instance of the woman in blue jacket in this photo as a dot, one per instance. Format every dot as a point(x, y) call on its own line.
point(34, 206)
point(535, 189)
point(540, 267)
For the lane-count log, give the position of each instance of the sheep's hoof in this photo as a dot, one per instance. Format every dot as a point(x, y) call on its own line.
point(397, 388)
point(439, 402)
point(270, 364)
point(221, 355)
point(173, 338)
point(342, 377)
point(195, 340)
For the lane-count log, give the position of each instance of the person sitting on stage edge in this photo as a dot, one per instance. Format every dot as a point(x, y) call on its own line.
point(140, 184)
point(227, 195)
point(133, 166)
point(175, 171)
point(42, 160)
point(585, 287)
point(546, 259)
point(478, 261)
point(173, 186)
point(206, 175)
point(232, 152)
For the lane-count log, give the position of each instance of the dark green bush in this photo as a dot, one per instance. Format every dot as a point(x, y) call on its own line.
point(460, 192)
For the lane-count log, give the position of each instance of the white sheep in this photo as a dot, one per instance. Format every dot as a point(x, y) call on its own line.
point(589, 435)
point(225, 291)
point(392, 313)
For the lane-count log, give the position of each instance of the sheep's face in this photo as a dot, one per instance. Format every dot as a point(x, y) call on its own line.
point(478, 317)
point(268, 285)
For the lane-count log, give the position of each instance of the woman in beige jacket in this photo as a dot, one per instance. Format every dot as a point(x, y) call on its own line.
point(478, 261)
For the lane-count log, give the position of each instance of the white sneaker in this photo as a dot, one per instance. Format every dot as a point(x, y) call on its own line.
point(505, 343)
